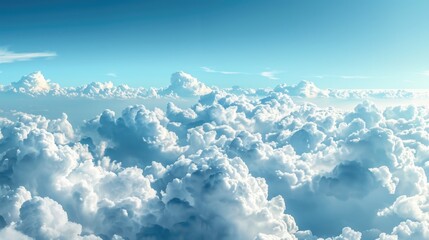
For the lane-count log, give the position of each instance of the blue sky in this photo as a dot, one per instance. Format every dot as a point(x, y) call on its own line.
point(334, 43)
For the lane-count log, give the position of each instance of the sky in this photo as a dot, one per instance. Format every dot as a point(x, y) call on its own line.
point(249, 43)
point(185, 161)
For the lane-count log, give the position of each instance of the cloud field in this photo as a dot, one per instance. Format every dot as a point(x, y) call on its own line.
point(236, 164)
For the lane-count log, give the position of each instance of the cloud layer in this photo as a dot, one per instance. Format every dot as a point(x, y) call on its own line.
point(35, 84)
point(254, 165)
point(183, 85)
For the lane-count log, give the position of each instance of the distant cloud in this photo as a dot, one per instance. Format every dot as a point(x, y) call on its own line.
point(9, 57)
point(210, 70)
point(270, 75)
point(113, 75)
point(185, 85)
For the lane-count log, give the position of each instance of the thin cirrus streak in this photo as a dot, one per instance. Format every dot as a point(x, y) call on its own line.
point(211, 70)
point(113, 75)
point(7, 56)
point(266, 74)
point(425, 73)
point(354, 77)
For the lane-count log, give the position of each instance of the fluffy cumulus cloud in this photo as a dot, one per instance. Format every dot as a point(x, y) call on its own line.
point(302, 89)
point(184, 85)
point(237, 164)
point(35, 84)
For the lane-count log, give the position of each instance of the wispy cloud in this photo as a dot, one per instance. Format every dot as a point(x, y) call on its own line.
point(211, 70)
point(425, 73)
point(319, 76)
point(266, 74)
point(270, 75)
point(9, 57)
point(354, 77)
point(334, 76)
point(113, 75)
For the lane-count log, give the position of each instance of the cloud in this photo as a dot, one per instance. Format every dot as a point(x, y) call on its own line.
point(10, 233)
point(210, 70)
point(354, 77)
point(109, 200)
point(266, 74)
point(270, 75)
point(210, 169)
point(113, 75)
point(425, 73)
point(137, 132)
point(33, 84)
point(9, 57)
point(43, 218)
point(184, 85)
point(302, 89)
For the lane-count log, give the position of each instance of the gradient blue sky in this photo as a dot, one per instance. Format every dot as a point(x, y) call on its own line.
point(251, 43)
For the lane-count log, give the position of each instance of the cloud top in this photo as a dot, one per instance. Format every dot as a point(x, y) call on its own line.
point(184, 85)
point(304, 89)
point(33, 84)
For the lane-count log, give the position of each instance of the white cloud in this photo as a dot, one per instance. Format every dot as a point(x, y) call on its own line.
point(302, 89)
point(184, 85)
point(266, 74)
point(270, 75)
point(354, 77)
point(210, 70)
point(10, 232)
point(33, 84)
point(9, 57)
point(43, 218)
point(210, 170)
point(113, 75)
point(425, 73)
